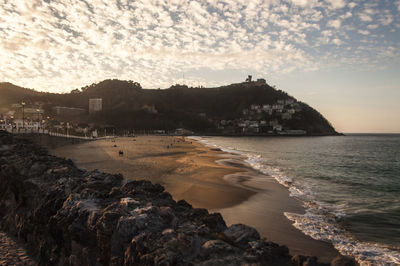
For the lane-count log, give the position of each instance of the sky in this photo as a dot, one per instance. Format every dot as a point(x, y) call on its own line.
point(341, 57)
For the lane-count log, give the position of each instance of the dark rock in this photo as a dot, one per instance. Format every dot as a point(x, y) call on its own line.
point(217, 249)
point(298, 259)
point(343, 261)
point(241, 235)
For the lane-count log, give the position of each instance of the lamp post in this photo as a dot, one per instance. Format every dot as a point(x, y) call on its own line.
point(38, 117)
point(23, 114)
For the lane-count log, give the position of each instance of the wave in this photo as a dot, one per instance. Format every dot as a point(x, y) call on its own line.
point(321, 220)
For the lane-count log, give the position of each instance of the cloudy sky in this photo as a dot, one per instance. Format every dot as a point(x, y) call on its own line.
point(342, 57)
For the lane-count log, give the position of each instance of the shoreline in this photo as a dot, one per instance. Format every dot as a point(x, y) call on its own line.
point(206, 178)
point(66, 215)
point(186, 169)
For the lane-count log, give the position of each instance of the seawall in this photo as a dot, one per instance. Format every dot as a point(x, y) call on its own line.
point(51, 141)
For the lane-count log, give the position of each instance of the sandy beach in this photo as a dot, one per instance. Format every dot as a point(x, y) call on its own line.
point(204, 177)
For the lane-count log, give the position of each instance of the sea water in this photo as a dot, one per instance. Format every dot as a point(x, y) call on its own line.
point(349, 185)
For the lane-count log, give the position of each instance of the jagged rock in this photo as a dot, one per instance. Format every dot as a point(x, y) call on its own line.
point(217, 249)
point(68, 216)
point(241, 235)
point(343, 261)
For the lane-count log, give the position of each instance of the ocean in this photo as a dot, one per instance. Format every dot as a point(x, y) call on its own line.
point(349, 186)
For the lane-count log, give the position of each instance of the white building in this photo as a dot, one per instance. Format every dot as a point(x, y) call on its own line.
point(266, 107)
point(289, 101)
point(277, 107)
point(95, 105)
point(253, 124)
point(30, 126)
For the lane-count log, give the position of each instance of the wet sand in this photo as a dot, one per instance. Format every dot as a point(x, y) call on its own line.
point(206, 178)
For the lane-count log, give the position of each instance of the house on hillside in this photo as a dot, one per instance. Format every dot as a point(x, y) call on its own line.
point(277, 107)
point(289, 101)
point(266, 107)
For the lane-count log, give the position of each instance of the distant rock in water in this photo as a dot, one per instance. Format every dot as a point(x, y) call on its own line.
point(68, 216)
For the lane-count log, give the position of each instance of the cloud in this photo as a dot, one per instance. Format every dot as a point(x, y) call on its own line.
point(351, 5)
point(365, 17)
point(337, 3)
point(372, 26)
point(334, 23)
point(304, 3)
point(337, 41)
point(59, 45)
point(364, 32)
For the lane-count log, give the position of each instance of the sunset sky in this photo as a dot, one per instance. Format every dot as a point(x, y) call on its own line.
point(341, 57)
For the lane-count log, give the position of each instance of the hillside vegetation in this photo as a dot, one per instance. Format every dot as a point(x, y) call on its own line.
point(127, 105)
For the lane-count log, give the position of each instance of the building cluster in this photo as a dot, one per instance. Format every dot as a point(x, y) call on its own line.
point(264, 118)
point(21, 115)
point(31, 117)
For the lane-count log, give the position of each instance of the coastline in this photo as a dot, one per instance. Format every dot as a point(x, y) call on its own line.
point(204, 177)
point(187, 169)
point(66, 215)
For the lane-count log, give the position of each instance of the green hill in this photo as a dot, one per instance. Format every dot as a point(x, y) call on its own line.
point(203, 110)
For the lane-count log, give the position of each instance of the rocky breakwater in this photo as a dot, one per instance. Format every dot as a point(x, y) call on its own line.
point(67, 216)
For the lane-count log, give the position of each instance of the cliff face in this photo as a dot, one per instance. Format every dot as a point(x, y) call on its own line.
point(68, 216)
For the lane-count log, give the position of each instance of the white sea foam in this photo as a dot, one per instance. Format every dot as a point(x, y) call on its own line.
point(323, 227)
point(207, 143)
point(321, 219)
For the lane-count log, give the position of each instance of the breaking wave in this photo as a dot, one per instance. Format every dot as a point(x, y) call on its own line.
point(321, 221)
